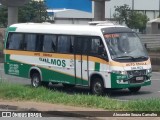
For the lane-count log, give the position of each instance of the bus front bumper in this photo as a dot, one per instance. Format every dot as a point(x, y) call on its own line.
point(122, 81)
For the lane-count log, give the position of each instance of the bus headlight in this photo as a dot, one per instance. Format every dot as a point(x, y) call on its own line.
point(120, 72)
point(149, 71)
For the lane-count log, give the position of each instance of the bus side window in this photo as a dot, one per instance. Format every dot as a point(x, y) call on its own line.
point(39, 42)
point(64, 44)
point(15, 41)
point(30, 41)
point(95, 43)
point(81, 45)
point(97, 48)
point(49, 43)
point(72, 44)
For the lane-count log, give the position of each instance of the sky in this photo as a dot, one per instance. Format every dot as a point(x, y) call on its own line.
point(84, 5)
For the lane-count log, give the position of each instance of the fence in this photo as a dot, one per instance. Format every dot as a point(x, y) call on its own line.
point(152, 41)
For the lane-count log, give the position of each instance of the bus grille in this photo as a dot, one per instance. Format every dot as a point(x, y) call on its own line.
point(136, 73)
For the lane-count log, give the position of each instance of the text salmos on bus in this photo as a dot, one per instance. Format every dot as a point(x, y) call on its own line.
point(98, 56)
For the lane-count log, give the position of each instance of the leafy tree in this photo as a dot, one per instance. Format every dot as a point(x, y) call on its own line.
point(132, 19)
point(137, 21)
point(122, 13)
point(3, 16)
point(34, 11)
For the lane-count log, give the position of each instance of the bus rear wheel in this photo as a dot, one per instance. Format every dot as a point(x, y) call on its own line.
point(97, 86)
point(134, 89)
point(35, 80)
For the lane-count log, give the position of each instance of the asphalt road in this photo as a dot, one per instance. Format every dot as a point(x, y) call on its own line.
point(152, 91)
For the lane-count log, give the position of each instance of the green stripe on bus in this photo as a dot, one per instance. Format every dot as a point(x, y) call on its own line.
point(11, 29)
point(97, 66)
point(47, 74)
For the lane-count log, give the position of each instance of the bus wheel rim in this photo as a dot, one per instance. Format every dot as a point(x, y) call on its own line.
point(35, 82)
point(98, 87)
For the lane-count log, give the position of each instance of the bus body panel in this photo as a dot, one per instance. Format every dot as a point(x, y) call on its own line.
point(72, 68)
point(56, 69)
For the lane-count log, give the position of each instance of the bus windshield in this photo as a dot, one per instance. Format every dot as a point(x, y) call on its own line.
point(125, 46)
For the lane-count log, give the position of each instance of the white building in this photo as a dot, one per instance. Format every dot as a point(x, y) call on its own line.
point(148, 7)
point(69, 16)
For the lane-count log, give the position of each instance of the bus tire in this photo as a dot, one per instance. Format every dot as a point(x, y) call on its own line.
point(97, 86)
point(134, 89)
point(68, 85)
point(35, 80)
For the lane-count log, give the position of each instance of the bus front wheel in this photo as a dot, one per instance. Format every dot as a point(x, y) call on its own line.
point(35, 80)
point(134, 89)
point(97, 86)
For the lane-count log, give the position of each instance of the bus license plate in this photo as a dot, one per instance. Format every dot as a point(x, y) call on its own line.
point(139, 78)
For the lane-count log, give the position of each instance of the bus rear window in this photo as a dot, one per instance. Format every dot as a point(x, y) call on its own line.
point(15, 41)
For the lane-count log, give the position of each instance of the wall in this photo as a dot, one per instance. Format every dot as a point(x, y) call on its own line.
point(152, 40)
point(152, 7)
point(71, 21)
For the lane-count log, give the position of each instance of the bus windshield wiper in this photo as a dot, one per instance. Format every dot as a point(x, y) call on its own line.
point(142, 57)
point(125, 57)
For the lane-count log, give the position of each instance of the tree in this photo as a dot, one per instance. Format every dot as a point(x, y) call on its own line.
point(3, 16)
point(34, 11)
point(137, 21)
point(122, 13)
point(132, 19)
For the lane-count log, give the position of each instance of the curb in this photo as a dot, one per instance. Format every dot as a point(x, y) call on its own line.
point(84, 115)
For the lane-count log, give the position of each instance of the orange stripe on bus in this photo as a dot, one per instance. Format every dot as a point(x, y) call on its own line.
point(113, 63)
point(55, 55)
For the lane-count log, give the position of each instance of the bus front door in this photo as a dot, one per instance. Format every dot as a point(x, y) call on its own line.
point(81, 61)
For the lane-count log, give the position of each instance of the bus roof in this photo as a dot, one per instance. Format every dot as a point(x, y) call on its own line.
point(70, 29)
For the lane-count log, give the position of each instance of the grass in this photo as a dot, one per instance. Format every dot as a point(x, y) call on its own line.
point(19, 92)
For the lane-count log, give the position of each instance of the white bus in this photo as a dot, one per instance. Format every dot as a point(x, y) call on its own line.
point(98, 56)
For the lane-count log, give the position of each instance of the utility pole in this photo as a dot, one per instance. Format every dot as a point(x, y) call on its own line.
point(13, 9)
point(99, 10)
point(159, 8)
point(132, 5)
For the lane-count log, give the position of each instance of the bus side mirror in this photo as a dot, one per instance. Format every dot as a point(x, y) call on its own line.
point(145, 45)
